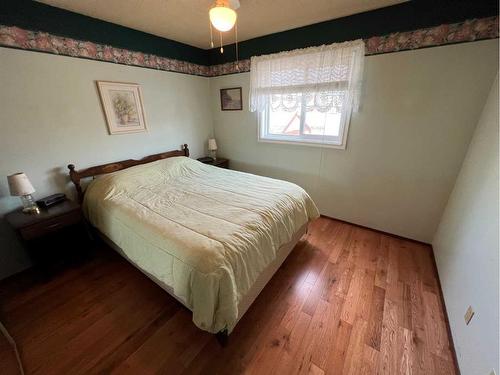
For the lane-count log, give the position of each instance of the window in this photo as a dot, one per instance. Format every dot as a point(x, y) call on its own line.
point(307, 96)
point(303, 125)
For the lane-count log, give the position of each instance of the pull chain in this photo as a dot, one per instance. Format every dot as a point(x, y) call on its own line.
point(236, 37)
point(221, 48)
point(211, 35)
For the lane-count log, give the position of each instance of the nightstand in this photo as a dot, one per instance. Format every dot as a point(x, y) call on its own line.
point(55, 234)
point(222, 163)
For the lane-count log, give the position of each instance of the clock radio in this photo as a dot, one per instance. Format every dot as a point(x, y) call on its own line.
point(51, 200)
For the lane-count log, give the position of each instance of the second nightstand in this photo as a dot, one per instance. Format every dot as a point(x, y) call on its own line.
point(222, 163)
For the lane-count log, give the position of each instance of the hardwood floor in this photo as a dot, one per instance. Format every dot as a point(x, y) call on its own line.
point(347, 300)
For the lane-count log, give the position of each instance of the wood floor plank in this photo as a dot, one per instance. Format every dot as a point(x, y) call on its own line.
point(436, 334)
point(370, 360)
point(338, 351)
point(343, 283)
point(374, 331)
point(382, 261)
point(365, 295)
point(392, 276)
point(207, 361)
point(295, 305)
point(129, 346)
point(389, 361)
point(70, 311)
point(101, 338)
point(423, 257)
point(407, 267)
point(442, 366)
point(404, 345)
point(417, 305)
point(24, 287)
point(406, 307)
point(297, 333)
point(347, 300)
point(288, 355)
point(367, 250)
point(315, 370)
point(54, 298)
point(147, 359)
point(421, 358)
point(340, 242)
point(330, 281)
point(352, 300)
point(302, 361)
point(355, 350)
point(328, 332)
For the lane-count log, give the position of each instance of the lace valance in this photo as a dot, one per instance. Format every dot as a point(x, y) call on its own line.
point(321, 78)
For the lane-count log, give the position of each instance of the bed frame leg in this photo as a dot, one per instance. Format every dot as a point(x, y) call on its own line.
point(223, 338)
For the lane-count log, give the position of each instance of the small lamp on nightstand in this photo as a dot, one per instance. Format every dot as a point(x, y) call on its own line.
point(20, 185)
point(212, 147)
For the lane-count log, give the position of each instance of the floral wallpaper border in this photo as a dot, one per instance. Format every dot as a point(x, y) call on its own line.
point(15, 37)
point(467, 31)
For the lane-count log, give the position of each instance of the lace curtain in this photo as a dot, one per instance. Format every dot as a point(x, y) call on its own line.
point(326, 78)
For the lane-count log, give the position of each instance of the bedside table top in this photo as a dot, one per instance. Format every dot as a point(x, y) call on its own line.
point(17, 219)
point(218, 161)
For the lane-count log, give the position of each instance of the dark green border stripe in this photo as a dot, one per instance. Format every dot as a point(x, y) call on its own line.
point(407, 16)
point(36, 16)
point(412, 15)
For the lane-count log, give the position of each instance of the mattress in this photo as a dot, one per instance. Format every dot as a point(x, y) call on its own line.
point(202, 232)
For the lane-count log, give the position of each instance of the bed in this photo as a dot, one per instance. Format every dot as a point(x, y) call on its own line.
point(210, 237)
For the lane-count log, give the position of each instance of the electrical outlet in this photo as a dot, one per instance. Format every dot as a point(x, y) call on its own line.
point(468, 315)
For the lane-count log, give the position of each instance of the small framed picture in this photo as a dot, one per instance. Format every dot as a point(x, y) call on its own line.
point(123, 107)
point(230, 99)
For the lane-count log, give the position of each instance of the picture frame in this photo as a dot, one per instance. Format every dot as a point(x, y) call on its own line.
point(123, 107)
point(231, 99)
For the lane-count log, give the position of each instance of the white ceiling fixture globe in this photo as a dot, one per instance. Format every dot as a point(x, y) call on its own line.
point(222, 18)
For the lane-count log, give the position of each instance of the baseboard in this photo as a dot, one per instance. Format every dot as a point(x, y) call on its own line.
point(445, 312)
point(378, 230)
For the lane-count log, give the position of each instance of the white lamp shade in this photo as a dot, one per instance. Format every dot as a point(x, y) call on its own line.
point(223, 18)
point(212, 145)
point(19, 184)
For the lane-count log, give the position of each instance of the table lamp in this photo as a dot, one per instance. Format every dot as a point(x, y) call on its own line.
point(20, 186)
point(212, 147)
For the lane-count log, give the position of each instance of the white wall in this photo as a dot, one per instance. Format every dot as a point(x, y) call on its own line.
point(466, 247)
point(51, 116)
point(404, 148)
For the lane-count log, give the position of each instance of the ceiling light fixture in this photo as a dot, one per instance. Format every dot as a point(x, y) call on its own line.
point(223, 18)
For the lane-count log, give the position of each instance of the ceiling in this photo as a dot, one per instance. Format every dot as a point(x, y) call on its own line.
point(187, 21)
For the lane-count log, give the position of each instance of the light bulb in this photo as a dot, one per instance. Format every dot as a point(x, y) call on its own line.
point(222, 18)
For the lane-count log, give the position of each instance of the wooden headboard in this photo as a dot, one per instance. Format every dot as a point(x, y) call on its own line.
point(76, 176)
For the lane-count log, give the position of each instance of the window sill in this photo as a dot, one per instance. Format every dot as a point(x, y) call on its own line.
point(303, 143)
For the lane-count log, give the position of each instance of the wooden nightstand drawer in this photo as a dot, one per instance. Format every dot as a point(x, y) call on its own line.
point(221, 163)
point(51, 225)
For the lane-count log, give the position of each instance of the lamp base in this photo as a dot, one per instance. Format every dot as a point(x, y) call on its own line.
point(29, 205)
point(213, 153)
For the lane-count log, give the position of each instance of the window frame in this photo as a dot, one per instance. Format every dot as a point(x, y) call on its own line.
point(304, 139)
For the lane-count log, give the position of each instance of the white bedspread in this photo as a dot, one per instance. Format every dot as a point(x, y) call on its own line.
point(202, 231)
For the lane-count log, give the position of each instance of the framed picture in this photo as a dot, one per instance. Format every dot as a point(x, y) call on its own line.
point(230, 99)
point(123, 107)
